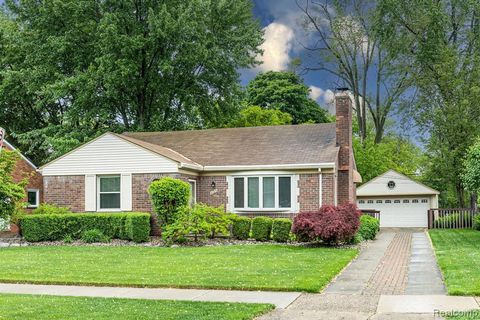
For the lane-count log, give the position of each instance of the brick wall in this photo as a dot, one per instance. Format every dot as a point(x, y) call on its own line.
point(65, 191)
point(328, 188)
point(141, 182)
point(24, 169)
point(309, 192)
point(345, 187)
point(213, 197)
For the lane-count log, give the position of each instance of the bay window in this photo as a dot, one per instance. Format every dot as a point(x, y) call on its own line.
point(262, 192)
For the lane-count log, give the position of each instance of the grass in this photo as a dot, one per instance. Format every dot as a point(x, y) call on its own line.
point(248, 267)
point(458, 254)
point(27, 307)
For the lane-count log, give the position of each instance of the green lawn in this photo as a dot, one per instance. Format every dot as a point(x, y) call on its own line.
point(248, 267)
point(51, 307)
point(458, 254)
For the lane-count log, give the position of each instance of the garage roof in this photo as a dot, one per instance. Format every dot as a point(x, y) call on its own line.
point(392, 183)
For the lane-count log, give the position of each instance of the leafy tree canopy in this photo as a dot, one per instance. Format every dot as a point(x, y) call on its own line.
point(471, 173)
point(254, 116)
point(286, 92)
point(92, 66)
point(393, 152)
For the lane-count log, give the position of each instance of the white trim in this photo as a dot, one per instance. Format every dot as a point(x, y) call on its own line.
point(194, 193)
point(116, 192)
point(294, 193)
point(335, 188)
point(271, 166)
point(359, 189)
point(21, 154)
point(126, 192)
point(37, 198)
point(320, 190)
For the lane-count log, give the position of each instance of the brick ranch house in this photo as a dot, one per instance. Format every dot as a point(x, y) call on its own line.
point(277, 170)
point(25, 168)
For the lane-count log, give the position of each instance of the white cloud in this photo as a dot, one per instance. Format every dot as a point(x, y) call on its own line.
point(326, 98)
point(276, 48)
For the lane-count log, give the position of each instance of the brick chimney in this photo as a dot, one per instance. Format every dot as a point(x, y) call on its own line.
point(345, 185)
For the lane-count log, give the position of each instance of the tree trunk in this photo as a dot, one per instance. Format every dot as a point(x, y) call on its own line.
point(473, 201)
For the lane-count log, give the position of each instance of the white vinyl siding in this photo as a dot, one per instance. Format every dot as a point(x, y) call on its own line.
point(110, 154)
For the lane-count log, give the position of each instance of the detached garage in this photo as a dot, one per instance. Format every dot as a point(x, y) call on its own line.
point(402, 202)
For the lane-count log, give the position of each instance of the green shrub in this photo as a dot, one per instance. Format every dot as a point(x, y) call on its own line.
point(53, 227)
point(201, 221)
point(476, 223)
point(68, 239)
point(241, 228)
point(46, 208)
point(137, 228)
point(168, 196)
point(94, 235)
point(261, 228)
point(369, 227)
point(356, 239)
point(281, 229)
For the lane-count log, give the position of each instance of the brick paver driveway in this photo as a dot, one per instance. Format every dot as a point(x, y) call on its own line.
point(398, 262)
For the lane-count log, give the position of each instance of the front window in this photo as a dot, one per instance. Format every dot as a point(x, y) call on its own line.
point(263, 192)
point(109, 192)
point(33, 198)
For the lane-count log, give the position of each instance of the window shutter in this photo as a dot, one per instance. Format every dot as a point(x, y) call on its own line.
point(126, 192)
point(90, 192)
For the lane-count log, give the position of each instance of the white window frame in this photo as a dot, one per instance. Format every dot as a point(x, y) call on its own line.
point(193, 196)
point(99, 192)
point(293, 193)
point(37, 195)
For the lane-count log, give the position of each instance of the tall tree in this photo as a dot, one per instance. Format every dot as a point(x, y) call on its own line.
point(347, 45)
point(83, 67)
point(394, 152)
point(286, 92)
point(442, 41)
point(254, 116)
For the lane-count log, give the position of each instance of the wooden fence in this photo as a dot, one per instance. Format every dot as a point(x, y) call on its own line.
point(372, 213)
point(455, 218)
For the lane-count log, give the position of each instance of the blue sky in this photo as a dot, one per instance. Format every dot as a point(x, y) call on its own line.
point(284, 40)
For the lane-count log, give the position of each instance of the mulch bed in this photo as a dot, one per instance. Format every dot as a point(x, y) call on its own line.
point(158, 242)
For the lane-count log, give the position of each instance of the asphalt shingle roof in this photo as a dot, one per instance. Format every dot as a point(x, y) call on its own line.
point(269, 145)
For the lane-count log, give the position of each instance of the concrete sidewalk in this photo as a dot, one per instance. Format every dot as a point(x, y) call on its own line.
point(279, 299)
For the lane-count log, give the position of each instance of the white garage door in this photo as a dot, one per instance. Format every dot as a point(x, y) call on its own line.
point(399, 212)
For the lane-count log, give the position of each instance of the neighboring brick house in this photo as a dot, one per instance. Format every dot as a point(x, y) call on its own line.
point(24, 168)
point(277, 170)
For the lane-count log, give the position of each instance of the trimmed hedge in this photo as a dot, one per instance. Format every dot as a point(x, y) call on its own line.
point(261, 228)
point(281, 229)
point(241, 228)
point(52, 227)
point(369, 227)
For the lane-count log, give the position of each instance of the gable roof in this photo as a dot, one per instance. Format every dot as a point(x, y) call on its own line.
point(404, 186)
point(166, 152)
point(12, 147)
point(251, 146)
